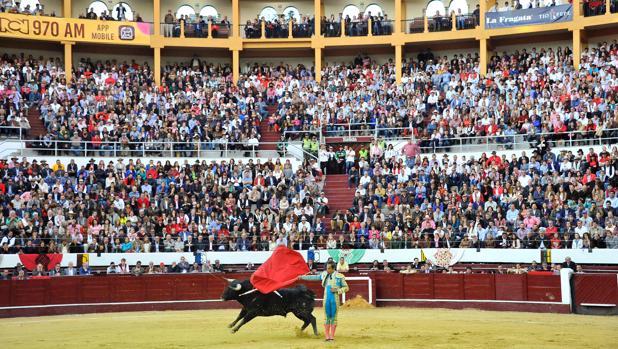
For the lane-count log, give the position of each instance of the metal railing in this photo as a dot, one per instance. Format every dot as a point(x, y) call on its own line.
point(29, 147)
point(199, 29)
point(599, 7)
point(442, 23)
point(472, 143)
point(14, 131)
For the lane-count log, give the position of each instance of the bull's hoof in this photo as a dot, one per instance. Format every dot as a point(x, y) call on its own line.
point(232, 331)
point(230, 325)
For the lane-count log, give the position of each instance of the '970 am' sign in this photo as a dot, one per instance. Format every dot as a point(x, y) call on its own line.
point(79, 30)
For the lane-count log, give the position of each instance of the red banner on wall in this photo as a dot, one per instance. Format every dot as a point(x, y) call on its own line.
point(49, 261)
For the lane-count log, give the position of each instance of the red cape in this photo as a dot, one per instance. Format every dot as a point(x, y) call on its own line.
point(280, 270)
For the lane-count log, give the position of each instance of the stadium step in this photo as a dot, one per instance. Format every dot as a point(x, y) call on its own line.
point(269, 135)
point(339, 196)
point(37, 128)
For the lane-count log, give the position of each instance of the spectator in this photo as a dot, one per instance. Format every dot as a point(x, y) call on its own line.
point(85, 269)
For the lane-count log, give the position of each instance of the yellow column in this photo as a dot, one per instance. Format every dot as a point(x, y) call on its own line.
point(579, 43)
point(66, 8)
point(318, 64)
point(156, 17)
point(399, 16)
point(484, 55)
point(157, 66)
point(398, 62)
point(482, 9)
point(68, 60)
point(235, 18)
point(577, 9)
point(453, 22)
point(608, 5)
point(235, 65)
point(317, 22)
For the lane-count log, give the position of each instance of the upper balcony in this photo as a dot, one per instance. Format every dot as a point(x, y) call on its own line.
point(301, 23)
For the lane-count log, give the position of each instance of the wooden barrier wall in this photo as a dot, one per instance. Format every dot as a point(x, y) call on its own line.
point(595, 293)
point(522, 288)
point(203, 291)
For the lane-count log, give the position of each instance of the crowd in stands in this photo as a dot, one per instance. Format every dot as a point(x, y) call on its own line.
point(279, 27)
point(20, 272)
point(356, 25)
point(440, 100)
point(517, 5)
point(597, 7)
point(195, 26)
point(113, 108)
point(183, 266)
point(119, 14)
point(134, 206)
point(10, 6)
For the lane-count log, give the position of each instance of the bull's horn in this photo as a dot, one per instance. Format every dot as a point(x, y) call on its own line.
point(229, 280)
point(237, 287)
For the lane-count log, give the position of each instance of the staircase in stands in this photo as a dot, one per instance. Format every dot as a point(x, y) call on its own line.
point(268, 136)
point(339, 196)
point(37, 128)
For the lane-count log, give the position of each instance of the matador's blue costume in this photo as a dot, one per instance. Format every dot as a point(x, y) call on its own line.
point(331, 300)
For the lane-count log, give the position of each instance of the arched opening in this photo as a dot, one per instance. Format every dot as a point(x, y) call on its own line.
point(29, 4)
point(208, 12)
point(291, 12)
point(435, 6)
point(98, 7)
point(351, 11)
point(122, 9)
point(374, 9)
point(458, 5)
point(268, 13)
point(185, 10)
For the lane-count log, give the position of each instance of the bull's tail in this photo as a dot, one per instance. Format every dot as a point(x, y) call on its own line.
point(307, 295)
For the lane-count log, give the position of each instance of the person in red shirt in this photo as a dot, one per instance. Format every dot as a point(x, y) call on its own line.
point(152, 173)
point(551, 230)
point(589, 177)
point(593, 160)
point(143, 201)
point(555, 241)
point(494, 159)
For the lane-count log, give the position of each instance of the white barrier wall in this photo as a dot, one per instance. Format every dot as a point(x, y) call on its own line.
point(597, 256)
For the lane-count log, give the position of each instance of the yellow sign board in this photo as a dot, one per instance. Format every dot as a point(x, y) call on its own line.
point(70, 29)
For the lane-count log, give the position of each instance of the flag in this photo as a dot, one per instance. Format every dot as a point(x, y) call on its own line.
point(282, 269)
point(49, 261)
point(423, 257)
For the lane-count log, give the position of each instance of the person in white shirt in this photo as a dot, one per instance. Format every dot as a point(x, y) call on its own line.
point(580, 229)
point(304, 225)
point(365, 179)
point(505, 8)
point(350, 157)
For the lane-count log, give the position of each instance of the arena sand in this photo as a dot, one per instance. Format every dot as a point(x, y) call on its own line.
point(358, 328)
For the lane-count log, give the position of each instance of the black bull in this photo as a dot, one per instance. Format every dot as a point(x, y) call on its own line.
point(297, 300)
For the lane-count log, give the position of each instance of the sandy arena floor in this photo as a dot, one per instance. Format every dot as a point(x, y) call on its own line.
point(358, 328)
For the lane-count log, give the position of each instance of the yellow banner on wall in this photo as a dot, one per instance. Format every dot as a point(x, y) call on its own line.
point(70, 29)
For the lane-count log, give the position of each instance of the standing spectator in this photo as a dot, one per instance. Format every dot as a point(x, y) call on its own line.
point(169, 21)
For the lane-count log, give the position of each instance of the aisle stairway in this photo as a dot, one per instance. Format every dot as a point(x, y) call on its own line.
point(339, 196)
point(37, 128)
point(268, 136)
